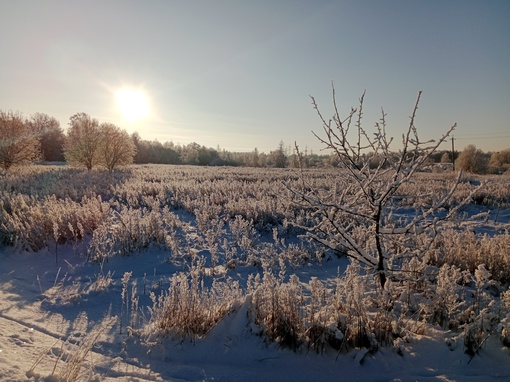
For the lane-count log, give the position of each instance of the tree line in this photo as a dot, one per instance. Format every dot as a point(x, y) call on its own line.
point(87, 143)
point(91, 144)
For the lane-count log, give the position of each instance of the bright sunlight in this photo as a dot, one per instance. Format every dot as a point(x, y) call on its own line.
point(132, 103)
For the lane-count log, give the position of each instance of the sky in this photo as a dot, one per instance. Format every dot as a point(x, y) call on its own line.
point(239, 74)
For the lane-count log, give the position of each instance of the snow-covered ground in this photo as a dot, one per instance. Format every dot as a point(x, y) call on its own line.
point(49, 311)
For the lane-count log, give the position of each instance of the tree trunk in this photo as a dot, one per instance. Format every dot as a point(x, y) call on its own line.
point(380, 253)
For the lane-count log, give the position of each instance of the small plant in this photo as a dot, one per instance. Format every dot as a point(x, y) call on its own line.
point(504, 326)
point(124, 311)
point(72, 355)
point(188, 309)
point(277, 310)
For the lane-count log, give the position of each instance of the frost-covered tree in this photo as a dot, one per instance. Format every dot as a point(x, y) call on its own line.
point(51, 136)
point(82, 141)
point(116, 147)
point(278, 157)
point(446, 157)
point(360, 214)
point(18, 142)
point(472, 160)
point(500, 161)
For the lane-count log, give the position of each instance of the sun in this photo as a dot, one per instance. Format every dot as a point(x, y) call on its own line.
point(132, 103)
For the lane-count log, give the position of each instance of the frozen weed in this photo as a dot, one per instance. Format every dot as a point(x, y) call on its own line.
point(215, 220)
point(71, 363)
point(188, 309)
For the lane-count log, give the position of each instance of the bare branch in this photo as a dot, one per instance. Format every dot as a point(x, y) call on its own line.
point(360, 218)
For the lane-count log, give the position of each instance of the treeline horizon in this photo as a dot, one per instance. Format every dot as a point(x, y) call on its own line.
point(52, 139)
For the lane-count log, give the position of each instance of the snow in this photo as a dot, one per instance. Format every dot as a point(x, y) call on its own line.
point(48, 309)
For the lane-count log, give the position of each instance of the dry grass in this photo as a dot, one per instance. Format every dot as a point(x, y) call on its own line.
point(71, 363)
point(218, 217)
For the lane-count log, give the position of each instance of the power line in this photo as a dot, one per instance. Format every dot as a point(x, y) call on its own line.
point(483, 137)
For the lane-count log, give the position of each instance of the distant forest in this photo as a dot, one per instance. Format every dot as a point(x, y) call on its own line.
point(282, 156)
point(51, 140)
point(195, 154)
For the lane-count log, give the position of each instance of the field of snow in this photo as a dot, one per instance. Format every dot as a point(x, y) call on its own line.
point(39, 333)
point(64, 317)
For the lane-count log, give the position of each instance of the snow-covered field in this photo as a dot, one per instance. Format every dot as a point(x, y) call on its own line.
point(62, 318)
point(38, 333)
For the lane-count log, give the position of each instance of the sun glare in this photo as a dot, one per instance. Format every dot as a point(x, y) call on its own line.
point(132, 103)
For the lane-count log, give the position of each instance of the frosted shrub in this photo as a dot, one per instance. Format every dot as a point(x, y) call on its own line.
point(299, 254)
point(277, 310)
point(447, 300)
point(482, 320)
point(321, 327)
point(102, 281)
point(362, 316)
point(319, 318)
point(479, 329)
point(62, 182)
point(467, 251)
point(214, 191)
point(188, 309)
point(30, 223)
point(354, 318)
point(127, 232)
point(241, 245)
point(44, 204)
point(16, 228)
point(482, 281)
point(504, 328)
point(243, 234)
point(212, 232)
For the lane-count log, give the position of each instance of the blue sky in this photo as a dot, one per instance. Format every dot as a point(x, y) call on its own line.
point(239, 74)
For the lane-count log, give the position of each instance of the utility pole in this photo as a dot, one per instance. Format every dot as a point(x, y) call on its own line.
point(453, 153)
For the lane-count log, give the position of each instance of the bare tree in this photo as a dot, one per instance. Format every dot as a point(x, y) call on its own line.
point(359, 215)
point(51, 136)
point(116, 147)
point(82, 141)
point(18, 143)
